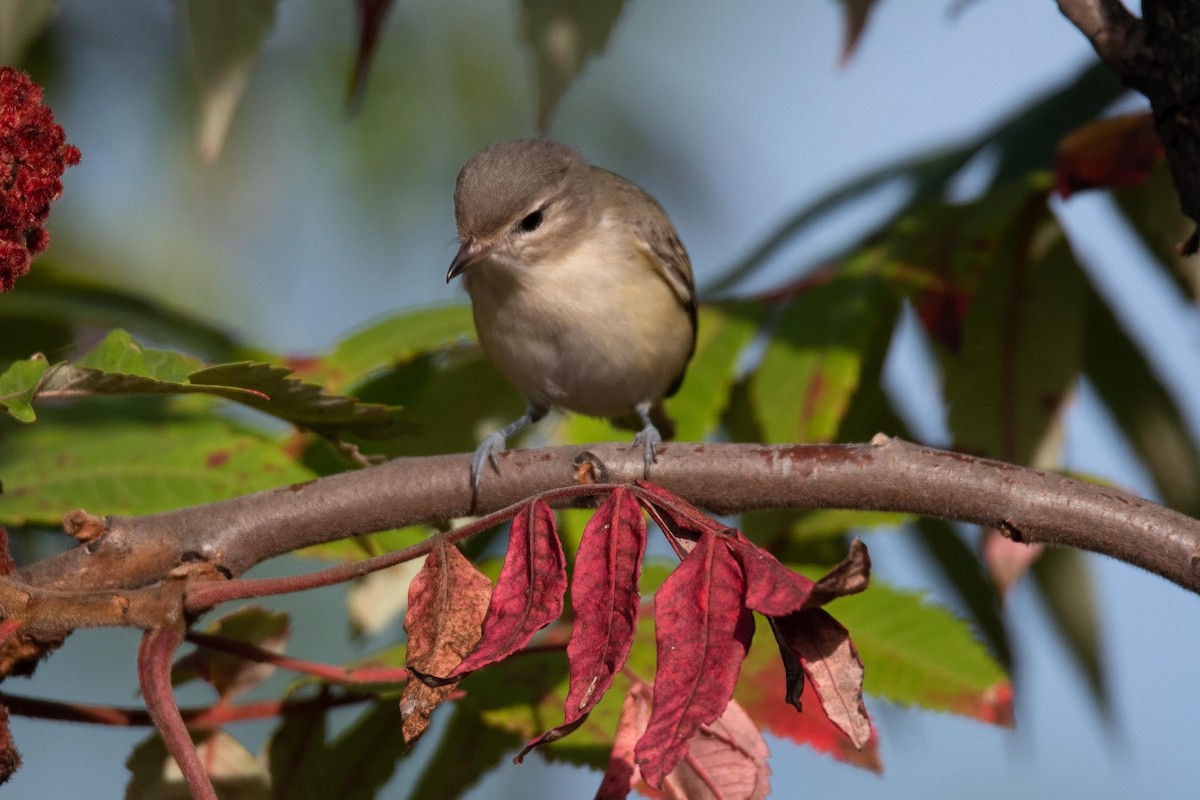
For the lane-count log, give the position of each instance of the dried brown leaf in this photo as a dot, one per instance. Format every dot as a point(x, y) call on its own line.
point(447, 601)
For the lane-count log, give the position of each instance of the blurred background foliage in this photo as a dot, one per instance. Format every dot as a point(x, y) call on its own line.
point(246, 198)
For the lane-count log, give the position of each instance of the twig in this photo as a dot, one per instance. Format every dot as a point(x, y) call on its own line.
point(1113, 31)
point(331, 673)
point(206, 717)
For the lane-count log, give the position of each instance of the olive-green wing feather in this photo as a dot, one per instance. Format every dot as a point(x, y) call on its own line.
point(657, 237)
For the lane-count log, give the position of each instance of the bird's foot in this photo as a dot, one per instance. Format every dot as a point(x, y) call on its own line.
point(486, 453)
point(650, 439)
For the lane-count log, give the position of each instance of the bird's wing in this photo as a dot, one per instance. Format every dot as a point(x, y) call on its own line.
point(671, 262)
point(657, 238)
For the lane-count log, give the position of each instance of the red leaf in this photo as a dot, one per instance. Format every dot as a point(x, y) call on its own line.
point(681, 521)
point(851, 575)
point(811, 727)
point(854, 18)
point(1110, 153)
point(941, 308)
point(623, 773)
point(1007, 561)
point(605, 598)
point(7, 565)
point(726, 759)
point(370, 22)
point(827, 657)
point(10, 759)
point(447, 601)
point(528, 596)
point(703, 631)
point(771, 588)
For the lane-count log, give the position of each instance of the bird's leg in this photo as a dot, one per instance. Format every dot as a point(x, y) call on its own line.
point(648, 437)
point(491, 446)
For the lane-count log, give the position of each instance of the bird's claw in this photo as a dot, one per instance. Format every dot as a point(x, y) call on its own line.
point(487, 453)
point(649, 438)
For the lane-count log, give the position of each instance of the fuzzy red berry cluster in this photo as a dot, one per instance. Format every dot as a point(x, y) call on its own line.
point(33, 156)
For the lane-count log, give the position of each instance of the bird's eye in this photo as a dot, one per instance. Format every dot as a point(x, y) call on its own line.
point(531, 222)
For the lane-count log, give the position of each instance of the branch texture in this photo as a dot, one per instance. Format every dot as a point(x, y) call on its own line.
point(225, 539)
point(1157, 56)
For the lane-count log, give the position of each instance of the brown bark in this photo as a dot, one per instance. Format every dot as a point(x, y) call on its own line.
point(118, 579)
point(1159, 56)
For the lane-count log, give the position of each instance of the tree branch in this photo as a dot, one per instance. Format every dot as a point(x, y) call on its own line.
point(206, 717)
point(1114, 32)
point(228, 537)
point(1156, 55)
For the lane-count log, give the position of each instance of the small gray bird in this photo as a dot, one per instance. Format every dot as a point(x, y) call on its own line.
point(582, 292)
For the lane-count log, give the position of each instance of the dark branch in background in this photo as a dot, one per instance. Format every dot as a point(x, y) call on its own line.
point(1158, 56)
point(225, 539)
point(207, 717)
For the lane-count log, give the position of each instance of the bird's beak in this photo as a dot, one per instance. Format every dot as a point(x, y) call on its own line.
point(471, 252)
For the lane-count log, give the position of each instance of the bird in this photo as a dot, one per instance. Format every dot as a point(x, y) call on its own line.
point(582, 293)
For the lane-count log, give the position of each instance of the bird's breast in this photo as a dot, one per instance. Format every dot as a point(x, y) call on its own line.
point(596, 330)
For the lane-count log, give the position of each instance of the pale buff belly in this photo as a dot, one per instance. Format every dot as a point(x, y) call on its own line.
point(598, 347)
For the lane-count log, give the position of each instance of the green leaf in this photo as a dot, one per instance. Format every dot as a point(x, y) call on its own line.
point(939, 248)
point(1028, 140)
point(269, 389)
point(362, 758)
point(813, 362)
point(723, 332)
point(297, 755)
point(837, 522)
point(225, 38)
point(928, 171)
point(1148, 416)
point(18, 384)
point(1024, 141)
point(359, 547)
point(21, 21)
point(235, 772)
point(1022, 343)
point(118, 354)
point(1152, 208)
point(562, 35)
point(132, 459)
point(120, 366)
point(917, 653)
point(1065, 584)
point(525, 694)
point(229, 674)
point(457, 402)
point(354, 766)
point(448, 774)
point(51, 303)
point(962, 570)
point(817, 536)
point(395, 340)
point(944, 548)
